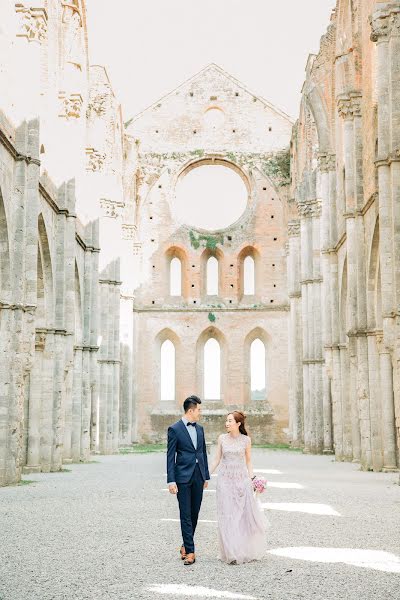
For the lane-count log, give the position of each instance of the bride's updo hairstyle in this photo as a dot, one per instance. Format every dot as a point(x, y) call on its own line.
point(240, 418)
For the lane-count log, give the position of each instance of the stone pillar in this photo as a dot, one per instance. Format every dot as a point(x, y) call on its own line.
point(89, 431)
point(385, 32)
point(357, 410)
point(35, 407)
point(387, 400)
point(70, 242)
point(109, 359)
point(306, 276)
point(295, 337)
point(327, 164)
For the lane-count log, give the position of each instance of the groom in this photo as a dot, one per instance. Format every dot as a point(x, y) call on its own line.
point(187, 471)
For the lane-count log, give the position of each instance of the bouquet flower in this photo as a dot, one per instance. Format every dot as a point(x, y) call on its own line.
point(259, 484)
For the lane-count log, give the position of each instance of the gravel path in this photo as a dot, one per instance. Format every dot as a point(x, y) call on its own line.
point(97, 533)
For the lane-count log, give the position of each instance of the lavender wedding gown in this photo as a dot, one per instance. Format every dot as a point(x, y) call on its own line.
point(241, 523)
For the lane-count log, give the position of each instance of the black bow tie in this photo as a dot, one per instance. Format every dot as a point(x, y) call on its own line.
point(193, 424)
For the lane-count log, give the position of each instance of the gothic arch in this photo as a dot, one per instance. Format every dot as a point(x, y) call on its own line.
point(252, 252)
point(254, 334)
point(180, 253)
point(78, 308)
point(374, 293)
point(215, 333)
point(45, 315)
point(318, 108)
point(5, 281)
point(208, 253)
point(165, 335)
point(343, 307)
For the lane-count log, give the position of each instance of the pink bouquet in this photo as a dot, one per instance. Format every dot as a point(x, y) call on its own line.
point(259, 484)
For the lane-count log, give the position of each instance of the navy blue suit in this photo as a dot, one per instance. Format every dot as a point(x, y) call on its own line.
point(187, 466)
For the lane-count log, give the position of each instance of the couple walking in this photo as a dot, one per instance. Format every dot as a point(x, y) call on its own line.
point(241, 524)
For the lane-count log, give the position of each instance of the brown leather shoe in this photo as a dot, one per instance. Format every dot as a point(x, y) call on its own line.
point(182, 552)
point(190, 559)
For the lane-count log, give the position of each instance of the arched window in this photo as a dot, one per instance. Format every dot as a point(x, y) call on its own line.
point(175, 277)
point(212, 370)
point(212, 276)
point(167, 371)
point(248, 276)
point(257, 370)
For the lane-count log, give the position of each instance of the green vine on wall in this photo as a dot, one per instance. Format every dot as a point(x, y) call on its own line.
point(211, 317)
point(206, 241)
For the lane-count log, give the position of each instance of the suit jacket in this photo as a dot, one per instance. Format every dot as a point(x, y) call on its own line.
point(182, 455)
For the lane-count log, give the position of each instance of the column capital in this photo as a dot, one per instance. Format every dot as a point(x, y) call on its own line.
point(349, 106)
point(95, 159)
point(32, 22)
point(310, 208)
point(385, 22)
point(294, 228)
point(326, 162)
point(71, 105)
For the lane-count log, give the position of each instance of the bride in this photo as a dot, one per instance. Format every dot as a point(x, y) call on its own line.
point(241, 524)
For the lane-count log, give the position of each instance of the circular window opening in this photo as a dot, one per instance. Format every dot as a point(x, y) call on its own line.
point(214, 118)
point(210, 197)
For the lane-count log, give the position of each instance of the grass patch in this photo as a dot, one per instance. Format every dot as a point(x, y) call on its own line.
point(64, 471)
point(278, 447)
point(25, 482)
point(143, 449)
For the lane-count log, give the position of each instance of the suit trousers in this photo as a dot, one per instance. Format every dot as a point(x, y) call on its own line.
point(190, 496)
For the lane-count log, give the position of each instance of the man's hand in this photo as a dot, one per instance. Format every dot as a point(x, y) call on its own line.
point(173, 488)
point(205, 485)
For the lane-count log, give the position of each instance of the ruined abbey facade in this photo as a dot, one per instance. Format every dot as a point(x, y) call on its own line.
point(113, 308)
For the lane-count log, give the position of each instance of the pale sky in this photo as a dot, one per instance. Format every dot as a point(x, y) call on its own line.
point(149, 47)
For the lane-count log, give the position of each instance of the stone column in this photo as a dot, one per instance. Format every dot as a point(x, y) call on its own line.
point(295, 337)
point(327, 163)
point(77, 405)
point(385, 32)
point(34, 407)
point(387, 400)
point(70, 241)
point(348, 106)
point(306, 276)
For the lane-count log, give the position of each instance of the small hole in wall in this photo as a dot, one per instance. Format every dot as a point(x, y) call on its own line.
point(275, 239)
point(272, 199)
point(232, 285)
point(152, 240)
point(265, 189)
point(230, 301)
point(233, 130)
point(192, 284)
point(193, 266)
point(272, 216)
point(229, 238)
point(151, 218)
point(194, 302)
point(156, 130)
point(271, 301)
point(194, 131)
point(154, 266)
point(213, 98)
point(274, 284)
point(269, 128)
point(236, 94)
point(153, 301)
point(191, 94)
point(231, 265)
point(273, 264)
point(160, 186)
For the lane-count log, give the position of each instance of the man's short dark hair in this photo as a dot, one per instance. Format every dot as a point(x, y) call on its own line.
point(191, 402)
